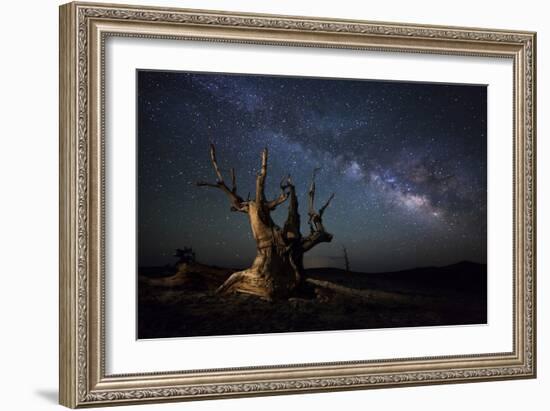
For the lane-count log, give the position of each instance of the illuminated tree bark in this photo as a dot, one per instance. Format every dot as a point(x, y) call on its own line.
point(277, 270)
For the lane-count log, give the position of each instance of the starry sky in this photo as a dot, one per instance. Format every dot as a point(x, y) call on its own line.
point(406, 162)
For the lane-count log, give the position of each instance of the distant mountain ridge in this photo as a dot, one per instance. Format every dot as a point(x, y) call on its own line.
point(464, 264)
point(461, 277)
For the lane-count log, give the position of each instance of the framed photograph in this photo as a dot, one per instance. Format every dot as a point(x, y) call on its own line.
point(259, 204)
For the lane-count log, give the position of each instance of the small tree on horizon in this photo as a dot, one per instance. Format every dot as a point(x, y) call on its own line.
point(346, 258)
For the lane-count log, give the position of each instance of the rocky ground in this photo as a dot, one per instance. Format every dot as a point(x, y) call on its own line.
point(184, 303)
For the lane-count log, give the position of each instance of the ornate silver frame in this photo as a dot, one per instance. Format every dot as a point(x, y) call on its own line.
point(83, 30)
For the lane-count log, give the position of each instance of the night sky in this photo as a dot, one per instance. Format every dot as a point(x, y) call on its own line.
point(406, 161)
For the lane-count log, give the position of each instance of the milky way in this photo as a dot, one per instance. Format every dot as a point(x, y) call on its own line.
point(406, 162)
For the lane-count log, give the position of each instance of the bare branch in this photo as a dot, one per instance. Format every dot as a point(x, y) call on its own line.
point(260, 179)
point(215, 163)
point(263, 171)
point(291, 228)
point(237, 203)
point(271, 205)
point(318, 234)
point(233, 180)
point(315, 238)
point(311, 193)
point(285, 182)
point(322, 209)
point(205, 184)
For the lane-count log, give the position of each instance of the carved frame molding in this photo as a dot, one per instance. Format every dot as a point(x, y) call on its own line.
point(83, 30)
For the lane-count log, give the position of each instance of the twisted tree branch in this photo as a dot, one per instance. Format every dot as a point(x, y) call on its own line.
point(284, 185)
point(237, 203)
point(318, 234)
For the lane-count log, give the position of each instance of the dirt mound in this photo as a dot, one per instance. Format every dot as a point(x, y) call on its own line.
point(192, 276)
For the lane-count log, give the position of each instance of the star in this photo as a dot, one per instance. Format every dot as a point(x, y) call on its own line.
point(406, 162)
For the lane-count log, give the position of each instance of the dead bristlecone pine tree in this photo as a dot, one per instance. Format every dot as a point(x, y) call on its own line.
point(277, 270)
point(346, 259)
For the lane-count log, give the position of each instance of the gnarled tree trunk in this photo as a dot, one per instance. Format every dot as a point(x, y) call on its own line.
point(272, 274)
point(277, 269)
